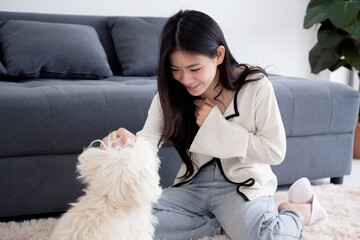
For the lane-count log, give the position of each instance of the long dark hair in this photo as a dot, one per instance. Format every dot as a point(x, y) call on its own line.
point(193, 32)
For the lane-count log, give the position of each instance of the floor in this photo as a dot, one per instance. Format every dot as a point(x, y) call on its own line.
point(352, 179)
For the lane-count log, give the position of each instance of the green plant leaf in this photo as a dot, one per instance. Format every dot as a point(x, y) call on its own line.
point(340, 63)
point(315, 15)
point(354, 29)
point(321, 59)
point(314, 3)
point(317, 12)
point(351, 51)
point(329, 36)
point(343, 14)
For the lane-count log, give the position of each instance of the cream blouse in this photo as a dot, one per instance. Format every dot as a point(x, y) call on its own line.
point(246, 139)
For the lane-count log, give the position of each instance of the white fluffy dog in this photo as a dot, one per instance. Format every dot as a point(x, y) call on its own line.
point(122, 183)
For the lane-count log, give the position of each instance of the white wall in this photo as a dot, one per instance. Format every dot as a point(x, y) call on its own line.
point(259, 32)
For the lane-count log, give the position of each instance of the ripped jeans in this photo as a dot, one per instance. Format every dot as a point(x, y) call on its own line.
point(211, 203)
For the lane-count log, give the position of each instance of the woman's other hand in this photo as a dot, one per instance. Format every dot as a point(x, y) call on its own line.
point(203, 108)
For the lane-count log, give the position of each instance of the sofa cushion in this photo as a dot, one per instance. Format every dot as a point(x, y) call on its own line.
point(136, 41)
point(39, 49)
point(54, 116)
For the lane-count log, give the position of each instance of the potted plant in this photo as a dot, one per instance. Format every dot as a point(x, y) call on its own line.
point(338, 36)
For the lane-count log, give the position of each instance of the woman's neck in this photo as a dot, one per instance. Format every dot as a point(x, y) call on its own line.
point(214, 88)
point(223, 95)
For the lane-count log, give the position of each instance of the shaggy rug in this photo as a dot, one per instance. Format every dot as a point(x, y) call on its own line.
point(341, 201)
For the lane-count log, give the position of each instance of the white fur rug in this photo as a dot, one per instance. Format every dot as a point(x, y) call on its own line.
point(341, 201)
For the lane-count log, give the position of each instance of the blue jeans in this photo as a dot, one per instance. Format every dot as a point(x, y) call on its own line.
point(210, 203)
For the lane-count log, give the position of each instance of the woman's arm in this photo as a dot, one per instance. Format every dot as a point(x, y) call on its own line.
point(221, 138)
point(154, 124)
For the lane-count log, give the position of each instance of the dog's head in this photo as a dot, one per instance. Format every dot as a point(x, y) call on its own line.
point(125, 175)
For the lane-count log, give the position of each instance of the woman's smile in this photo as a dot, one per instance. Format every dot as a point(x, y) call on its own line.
point(191, 88)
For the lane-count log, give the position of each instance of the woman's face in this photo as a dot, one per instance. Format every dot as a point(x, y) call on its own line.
point(195, 71)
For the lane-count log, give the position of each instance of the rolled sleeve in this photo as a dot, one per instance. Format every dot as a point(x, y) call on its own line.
point(223, 139)
point(220, 138)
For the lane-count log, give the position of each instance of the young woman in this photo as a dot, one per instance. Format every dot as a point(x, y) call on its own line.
point(224, 121)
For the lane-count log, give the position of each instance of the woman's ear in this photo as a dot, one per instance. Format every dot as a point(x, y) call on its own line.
point(220, 54)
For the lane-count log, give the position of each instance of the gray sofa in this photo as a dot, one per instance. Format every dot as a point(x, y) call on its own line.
point(50, 113)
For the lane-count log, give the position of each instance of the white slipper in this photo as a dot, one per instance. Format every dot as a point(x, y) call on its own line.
point(318, 214)
point(301, 192)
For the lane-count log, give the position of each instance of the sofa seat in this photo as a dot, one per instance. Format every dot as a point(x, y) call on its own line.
point(310, 107)
point(50, 116)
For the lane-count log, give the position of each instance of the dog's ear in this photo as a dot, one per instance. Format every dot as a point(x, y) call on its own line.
point(148, 176)
point(89, 163)
point(150, 187)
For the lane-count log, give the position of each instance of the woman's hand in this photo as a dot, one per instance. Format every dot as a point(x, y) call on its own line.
point(203, 108)
point(118, 138)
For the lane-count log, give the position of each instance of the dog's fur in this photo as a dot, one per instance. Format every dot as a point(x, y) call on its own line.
point(122, 183)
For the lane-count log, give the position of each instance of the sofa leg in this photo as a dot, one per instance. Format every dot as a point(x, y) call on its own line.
point(337, 180)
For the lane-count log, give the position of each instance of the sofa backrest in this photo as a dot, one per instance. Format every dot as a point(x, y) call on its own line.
point(97, 22)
